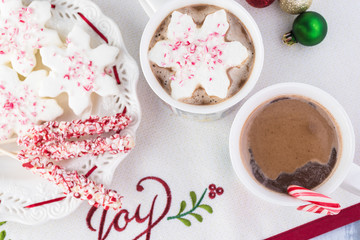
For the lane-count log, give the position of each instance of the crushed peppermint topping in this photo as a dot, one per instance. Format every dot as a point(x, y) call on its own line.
point(22, 31)
point(13, 34)
point(52, 140)
point(71, 182)
point(20, 105)
point(198, 56)
point(73, 149)
point(79, 70)
point(61, 131)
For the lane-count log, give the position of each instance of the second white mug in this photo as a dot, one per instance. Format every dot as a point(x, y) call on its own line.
point(345, 173)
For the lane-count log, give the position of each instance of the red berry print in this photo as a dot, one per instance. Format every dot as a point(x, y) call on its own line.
point(212, 195)
point(219, 191)
point(212, 187)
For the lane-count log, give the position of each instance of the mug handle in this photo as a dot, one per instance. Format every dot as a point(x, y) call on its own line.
point(150, 6)
point(352, 180)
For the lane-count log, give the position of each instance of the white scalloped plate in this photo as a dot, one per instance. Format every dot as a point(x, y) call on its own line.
point(18, 187)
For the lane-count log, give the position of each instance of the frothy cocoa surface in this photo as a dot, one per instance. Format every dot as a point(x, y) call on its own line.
point(290, 141)
point(237, 32)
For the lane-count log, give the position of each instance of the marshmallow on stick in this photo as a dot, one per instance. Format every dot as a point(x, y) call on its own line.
point(49, 141)
point(60, 131)
point(73, 149)
point(71, 182)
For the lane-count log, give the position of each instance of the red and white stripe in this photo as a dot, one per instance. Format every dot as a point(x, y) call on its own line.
point(319, 203)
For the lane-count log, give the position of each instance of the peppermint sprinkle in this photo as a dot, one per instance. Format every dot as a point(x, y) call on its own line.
point(196, 54)
point(82, 70)
point(20, 104)
point(79, 70)
point(21, 31)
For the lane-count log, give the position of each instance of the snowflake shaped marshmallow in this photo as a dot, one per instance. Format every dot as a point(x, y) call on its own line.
point(79, 70)
point(23, 32)
point(200, 57)
point(20, 105)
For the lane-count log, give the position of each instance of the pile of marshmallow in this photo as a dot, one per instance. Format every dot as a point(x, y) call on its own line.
point(27, 96)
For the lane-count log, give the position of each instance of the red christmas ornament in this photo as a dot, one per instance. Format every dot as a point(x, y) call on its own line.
point(260, 3)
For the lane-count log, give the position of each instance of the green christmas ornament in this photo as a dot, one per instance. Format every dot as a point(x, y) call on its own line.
point(309, 29)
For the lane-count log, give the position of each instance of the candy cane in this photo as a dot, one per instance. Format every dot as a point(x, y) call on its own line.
point(319, 203)
point(318, 209)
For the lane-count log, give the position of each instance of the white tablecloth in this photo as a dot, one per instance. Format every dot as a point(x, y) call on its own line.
point(190, 155)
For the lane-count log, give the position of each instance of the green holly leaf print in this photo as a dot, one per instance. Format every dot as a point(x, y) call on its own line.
point(207, 208)
point(183, 220)
point(197, 216)
point(2, 223)
point(193, 198)
point(2, 235)
point(182, 207)
point(196, 203)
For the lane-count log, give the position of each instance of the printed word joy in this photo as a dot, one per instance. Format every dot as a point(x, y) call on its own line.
point(125, 216)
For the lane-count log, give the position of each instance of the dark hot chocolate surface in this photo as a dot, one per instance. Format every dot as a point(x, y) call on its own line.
point(290, 141)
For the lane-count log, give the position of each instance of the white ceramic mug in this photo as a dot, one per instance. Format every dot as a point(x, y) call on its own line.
point(346, 173)
point(199, 112)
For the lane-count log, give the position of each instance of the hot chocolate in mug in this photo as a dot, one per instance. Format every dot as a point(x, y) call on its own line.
point(216, 107)
point(345, 173)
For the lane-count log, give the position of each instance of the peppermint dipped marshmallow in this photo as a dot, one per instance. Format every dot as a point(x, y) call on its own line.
point(79, 70)
point(23, 32)
point(20, 104)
